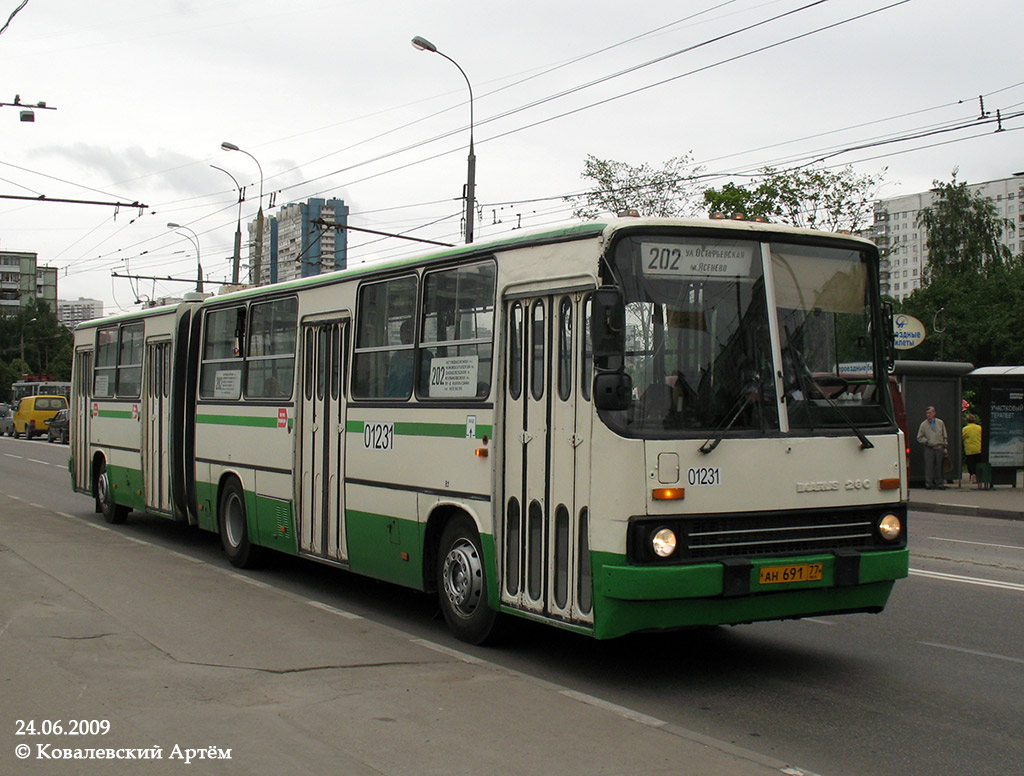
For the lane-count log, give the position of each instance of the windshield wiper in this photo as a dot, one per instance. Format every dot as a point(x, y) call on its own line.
point(806, 379)
point(748, 397)
point(865, 443)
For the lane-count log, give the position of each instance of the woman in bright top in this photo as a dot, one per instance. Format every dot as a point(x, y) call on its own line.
point(972, 446)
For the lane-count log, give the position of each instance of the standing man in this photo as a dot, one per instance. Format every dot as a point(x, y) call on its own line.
point(932, 434)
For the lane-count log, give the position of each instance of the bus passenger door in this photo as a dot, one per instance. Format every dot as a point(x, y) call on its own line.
point(320, 444)
point(156, 409)
point(544, 476)
point(81, 419)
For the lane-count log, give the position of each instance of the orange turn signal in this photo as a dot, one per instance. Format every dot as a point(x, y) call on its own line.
point(668, 494)
point(890, 484)
point(480, 452)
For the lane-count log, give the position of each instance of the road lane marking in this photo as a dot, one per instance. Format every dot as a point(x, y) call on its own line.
point(972, 651)
point(968, 580)
point(977, 544)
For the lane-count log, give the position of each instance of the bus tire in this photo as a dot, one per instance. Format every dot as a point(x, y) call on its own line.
point(234, 527)
point(462, 583)
point(112, 513)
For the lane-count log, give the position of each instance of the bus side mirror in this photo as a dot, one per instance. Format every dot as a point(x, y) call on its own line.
point(890, 336)
point(613, 391)
point(608, 326)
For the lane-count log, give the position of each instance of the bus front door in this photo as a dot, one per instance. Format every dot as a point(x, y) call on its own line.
point(544, 535)
point(320, 445)
point(156, 409)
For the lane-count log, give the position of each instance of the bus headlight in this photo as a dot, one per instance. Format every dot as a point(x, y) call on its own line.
point(890, 528)
point(663, 542)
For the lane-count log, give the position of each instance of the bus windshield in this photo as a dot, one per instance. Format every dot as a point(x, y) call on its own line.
point(699, 339)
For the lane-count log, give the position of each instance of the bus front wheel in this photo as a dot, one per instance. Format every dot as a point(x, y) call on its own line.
point(462, 583)
point(234, 527)
point(112, 513)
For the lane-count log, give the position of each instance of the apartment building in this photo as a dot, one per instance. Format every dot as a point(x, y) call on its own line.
point(71, 314)
point(295, 247)
point(904, 245)
point(22, 281)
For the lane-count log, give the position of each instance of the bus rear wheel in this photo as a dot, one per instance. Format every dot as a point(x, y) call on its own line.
point(462, 583)
point(112, 513)
point(234, 527)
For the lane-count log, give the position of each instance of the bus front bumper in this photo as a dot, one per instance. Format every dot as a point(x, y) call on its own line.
point(634, 598)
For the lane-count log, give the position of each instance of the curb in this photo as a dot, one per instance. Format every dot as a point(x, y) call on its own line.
point(965, 509)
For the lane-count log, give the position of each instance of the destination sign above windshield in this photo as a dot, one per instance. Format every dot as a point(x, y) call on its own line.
point(693, 260)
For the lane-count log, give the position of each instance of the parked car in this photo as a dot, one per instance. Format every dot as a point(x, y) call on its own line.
point(59, 427)
point(34, 414)
point(6, 420)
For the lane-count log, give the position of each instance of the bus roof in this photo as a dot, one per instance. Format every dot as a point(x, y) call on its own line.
point(519, 238)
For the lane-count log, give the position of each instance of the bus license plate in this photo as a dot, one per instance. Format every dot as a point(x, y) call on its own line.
point(802, 572)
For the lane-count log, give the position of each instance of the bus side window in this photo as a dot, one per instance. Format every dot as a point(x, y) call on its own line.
point(223, 340)
point(129, 361)
point(105, 373)
point(270, 366)
point(385, 347)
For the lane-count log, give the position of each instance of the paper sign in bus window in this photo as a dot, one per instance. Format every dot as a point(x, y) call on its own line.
point(227, 384)
point(454, 377)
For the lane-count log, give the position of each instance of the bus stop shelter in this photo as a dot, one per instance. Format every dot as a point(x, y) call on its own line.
point(999, 392)
point(936, 384)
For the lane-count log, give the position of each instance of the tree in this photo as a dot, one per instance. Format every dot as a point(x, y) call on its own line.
point(980, 316)
point(964, 231)
point(812, 197)
point(46, 344)
point(973, 286)
point(621, 186)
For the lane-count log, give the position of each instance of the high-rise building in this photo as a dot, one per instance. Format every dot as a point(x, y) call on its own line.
point(71, 314)
point(22, 282)
point(295, 247)
point(904, 245)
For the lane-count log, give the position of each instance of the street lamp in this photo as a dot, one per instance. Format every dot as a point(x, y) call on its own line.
point(258, 257)
point(238, 229)
point(195, 241)
point(423, 44)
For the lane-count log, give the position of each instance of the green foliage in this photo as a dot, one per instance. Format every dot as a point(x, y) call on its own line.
point(972, 300)
point(964, 231)
point(732, 201)
point(980, 315)
point(47, 346)
point(620, 186)
point(812, 197)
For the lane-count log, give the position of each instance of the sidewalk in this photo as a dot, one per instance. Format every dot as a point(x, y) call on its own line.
point(174, 658)
point(962, 498)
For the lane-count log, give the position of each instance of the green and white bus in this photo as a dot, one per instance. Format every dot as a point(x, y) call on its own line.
point(610, 427)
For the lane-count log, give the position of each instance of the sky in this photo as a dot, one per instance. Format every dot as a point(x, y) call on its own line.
point(331, 100)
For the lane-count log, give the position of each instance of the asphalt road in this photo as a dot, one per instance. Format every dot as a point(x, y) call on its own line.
point(935, 684)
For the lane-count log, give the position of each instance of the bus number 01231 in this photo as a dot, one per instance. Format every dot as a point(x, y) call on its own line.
point(379, 436)
point(704, 475)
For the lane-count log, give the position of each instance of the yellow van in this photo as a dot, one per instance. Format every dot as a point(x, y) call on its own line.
point(34, 414)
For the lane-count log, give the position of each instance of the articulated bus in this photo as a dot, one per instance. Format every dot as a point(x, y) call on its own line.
point(637, 424)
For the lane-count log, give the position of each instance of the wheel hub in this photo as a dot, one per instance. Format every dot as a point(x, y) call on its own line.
point(462, 575)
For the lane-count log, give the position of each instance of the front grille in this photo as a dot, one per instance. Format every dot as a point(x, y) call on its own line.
point(788, 534)
point(762, 534)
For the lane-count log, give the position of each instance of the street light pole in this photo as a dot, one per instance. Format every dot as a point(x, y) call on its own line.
point(237, 259)
point(195, 241)
point(423, 44)
point(258, 257)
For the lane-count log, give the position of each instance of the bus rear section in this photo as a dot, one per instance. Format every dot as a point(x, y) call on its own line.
point(128, 412)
